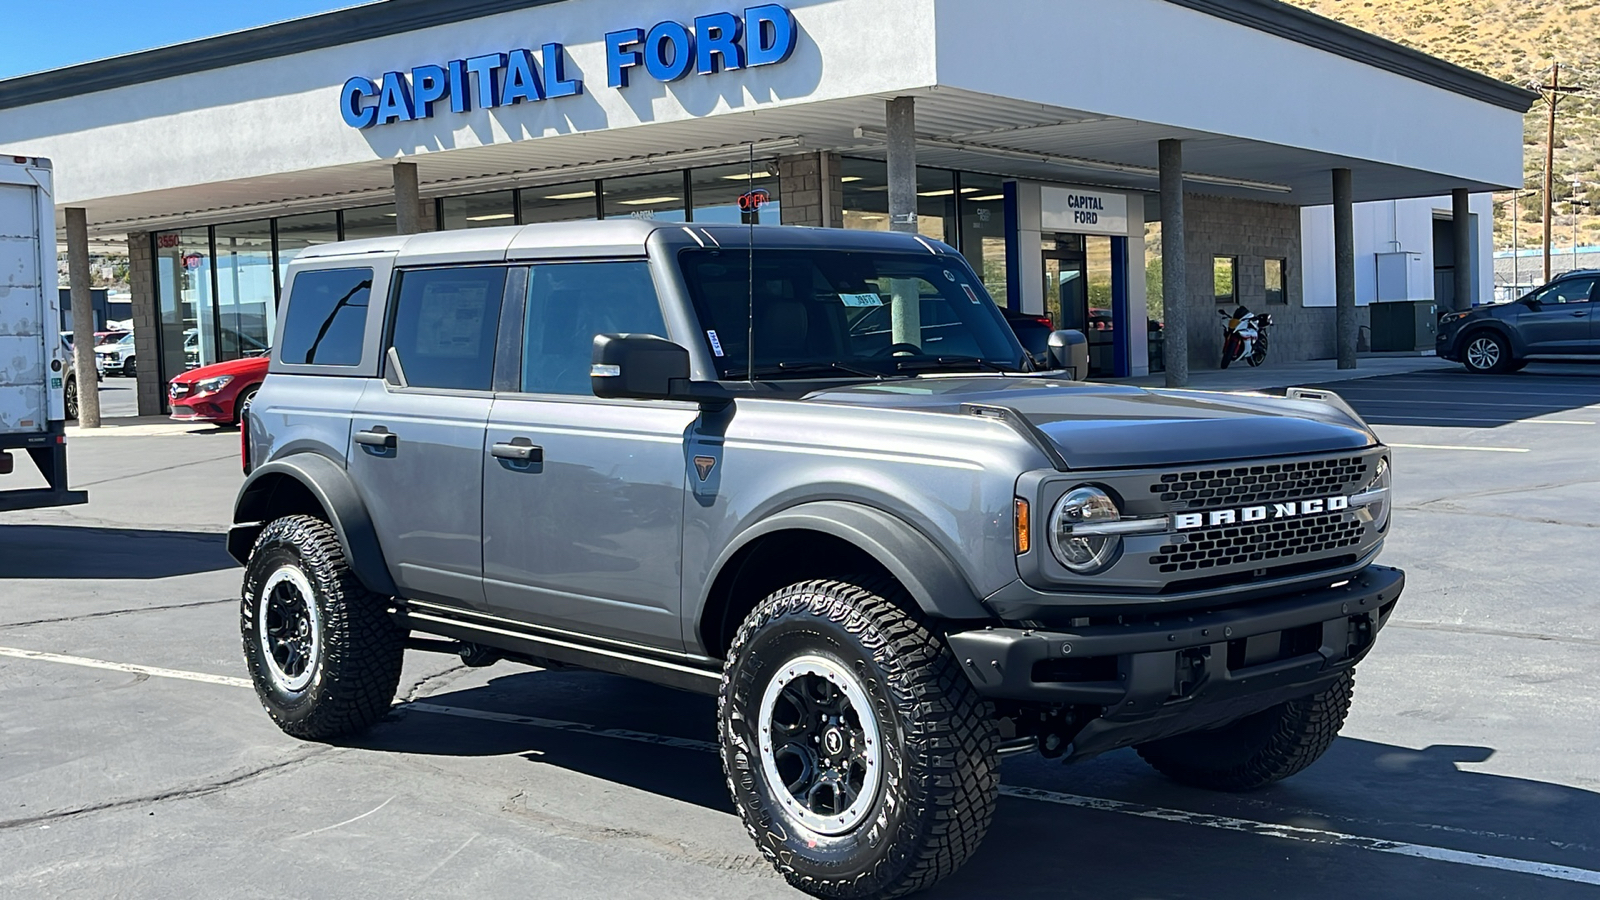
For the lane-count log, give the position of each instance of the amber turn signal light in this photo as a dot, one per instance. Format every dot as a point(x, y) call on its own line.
point(1024, 527)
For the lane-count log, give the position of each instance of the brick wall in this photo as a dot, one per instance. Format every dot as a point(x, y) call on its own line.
point(1253, 231)
point(146, 322)
point(800, 189)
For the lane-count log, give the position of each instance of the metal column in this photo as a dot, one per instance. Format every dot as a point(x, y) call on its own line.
point(1174, 267)
point(407, 199)
point(901, 121)
point(1461, 231)
point(1344, 268)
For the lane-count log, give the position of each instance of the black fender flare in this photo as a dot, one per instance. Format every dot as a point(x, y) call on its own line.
point(928, 574)
point(330, 485)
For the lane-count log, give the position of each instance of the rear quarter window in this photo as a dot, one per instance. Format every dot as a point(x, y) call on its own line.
point(326, 317)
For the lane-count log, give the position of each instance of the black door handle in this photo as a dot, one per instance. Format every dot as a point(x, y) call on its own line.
point(379, 437)
point(519, 450)
point(1580, 314)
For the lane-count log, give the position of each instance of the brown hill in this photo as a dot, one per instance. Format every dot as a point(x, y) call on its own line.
point(1515, 41)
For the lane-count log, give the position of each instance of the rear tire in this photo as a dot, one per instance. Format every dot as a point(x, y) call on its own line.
point(1487, 353)
point(1256, 750)
point(241, 406)
point(860, 758)
point(323, 653)
point(69, 394)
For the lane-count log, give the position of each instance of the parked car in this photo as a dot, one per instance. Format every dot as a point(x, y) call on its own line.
point(70, 387)
point(1557, 322)
point(118, 357)
point(1033, 331)
point(221, 392)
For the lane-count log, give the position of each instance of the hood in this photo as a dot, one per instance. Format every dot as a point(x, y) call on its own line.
point(1101, 426)
point(254, 365)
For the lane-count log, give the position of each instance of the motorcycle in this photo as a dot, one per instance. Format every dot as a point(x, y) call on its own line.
point(1244, 337)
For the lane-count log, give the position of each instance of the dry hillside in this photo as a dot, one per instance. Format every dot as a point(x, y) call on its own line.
point(1515, 41)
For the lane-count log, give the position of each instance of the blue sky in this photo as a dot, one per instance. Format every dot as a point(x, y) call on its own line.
point(54, 34)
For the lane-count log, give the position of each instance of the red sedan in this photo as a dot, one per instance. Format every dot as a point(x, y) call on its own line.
point(217, 393)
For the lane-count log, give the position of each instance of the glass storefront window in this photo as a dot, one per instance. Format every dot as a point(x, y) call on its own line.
point(866, 198)
point(183, 295)
point(296, 233)
point(246, 295)
point(983, 230)
point(1154, 299)
point(716, 193)
point(370, 222)
point(479, 210)
point(559, 202)
point(656, 196)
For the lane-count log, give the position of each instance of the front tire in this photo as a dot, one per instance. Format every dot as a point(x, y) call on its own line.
point(1487, 353)
point(323, 653)
point(69, 395)
point(130, 368)
point(860, 758)
point(1259, 749)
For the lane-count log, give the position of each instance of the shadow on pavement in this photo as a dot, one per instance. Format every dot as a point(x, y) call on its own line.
point(1455, 398)
point(70, 552)
point(1039, 849)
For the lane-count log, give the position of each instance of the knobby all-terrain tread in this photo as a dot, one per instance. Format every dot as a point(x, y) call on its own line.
point(362, 648)
point(959, 801)
point(1304, 731)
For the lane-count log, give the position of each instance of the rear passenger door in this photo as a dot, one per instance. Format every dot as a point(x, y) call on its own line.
point(583, 497)
point(416, 451)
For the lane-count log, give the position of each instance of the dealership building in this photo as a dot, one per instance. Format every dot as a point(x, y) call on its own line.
point(1034, 136)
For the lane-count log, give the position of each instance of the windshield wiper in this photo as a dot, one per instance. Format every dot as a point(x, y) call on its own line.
point(917, 362)
point(797, 368)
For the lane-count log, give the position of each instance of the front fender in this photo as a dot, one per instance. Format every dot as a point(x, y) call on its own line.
point(260, 499)
point(927, 572)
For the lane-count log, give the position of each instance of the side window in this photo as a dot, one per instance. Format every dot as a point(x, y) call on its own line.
point(570, 303)
point(444, 326)
point(327, 317)
point(1573, 290)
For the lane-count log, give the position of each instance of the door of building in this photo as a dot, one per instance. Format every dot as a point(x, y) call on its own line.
point(1077, 294)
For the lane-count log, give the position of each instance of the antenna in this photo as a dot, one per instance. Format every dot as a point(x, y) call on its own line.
point(750, 265)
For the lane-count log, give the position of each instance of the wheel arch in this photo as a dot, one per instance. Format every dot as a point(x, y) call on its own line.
point(309, 484)
point(828, 539)
point(1500, 329)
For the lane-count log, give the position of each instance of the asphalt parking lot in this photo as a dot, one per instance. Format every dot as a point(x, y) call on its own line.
point(135, 763)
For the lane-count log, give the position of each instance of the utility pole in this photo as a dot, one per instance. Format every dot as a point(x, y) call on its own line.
point(1553, 93)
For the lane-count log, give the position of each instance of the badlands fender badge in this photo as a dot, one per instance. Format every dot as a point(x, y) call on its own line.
point(1269, 513)
point(704, 465)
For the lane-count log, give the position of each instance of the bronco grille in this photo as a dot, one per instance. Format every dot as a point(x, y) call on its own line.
point(1238, 544)
point(1261, 483)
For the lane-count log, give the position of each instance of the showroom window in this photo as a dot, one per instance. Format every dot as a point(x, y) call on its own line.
point(246, 290)
point(659, 196)
point(982, 236)
point(369, 222)
point(559, 202)
point(716, 192)
point(299, 233)
point(1225, 285)
point(478, 211)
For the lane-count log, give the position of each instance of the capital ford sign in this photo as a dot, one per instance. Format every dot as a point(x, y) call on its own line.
point(1079, 211)
point(1248, 514)
point(668, 51)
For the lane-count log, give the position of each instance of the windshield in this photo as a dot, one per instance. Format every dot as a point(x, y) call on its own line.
point(837, 313)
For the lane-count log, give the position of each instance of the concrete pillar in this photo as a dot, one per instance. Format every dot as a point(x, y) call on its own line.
point(1461, 228)
point(1344, 268)
point(146, 323)
point(1174, 267)
point(82, 317)
point(901, 120)
point(408, 216)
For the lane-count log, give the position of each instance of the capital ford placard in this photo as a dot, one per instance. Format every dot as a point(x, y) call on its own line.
point(667, 51)
point(1083, 212)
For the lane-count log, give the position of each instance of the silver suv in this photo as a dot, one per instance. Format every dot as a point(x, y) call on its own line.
point(810, 472)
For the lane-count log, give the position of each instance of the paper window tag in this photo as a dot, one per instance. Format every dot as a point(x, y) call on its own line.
point(716, 344)
point(861, 300)
point(971, 294)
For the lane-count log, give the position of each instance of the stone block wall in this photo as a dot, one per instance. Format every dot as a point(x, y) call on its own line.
point(146, 322)
point(1253, 232)
point(800, 189)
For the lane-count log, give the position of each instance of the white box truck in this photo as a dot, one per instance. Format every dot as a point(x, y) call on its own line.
point(33, 358)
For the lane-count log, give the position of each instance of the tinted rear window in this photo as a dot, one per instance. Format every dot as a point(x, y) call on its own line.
point(327, 317)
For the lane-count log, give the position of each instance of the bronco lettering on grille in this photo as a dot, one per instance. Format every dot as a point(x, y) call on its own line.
point(1186, 521)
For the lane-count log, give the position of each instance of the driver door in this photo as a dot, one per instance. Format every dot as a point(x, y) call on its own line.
point(1559, 319)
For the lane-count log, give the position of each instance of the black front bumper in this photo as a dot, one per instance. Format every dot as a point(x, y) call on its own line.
point(1191, 671)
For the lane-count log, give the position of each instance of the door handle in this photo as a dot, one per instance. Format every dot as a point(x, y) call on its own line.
point(519, 450)
point(1579, 315)
point(379, 437)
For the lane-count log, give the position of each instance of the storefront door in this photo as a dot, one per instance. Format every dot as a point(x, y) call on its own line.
point(1077, 294)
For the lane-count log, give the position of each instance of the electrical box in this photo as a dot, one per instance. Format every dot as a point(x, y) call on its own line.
point(1401, 277)
point(1404, 327)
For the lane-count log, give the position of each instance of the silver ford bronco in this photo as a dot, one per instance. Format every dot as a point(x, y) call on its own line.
point(813, 473)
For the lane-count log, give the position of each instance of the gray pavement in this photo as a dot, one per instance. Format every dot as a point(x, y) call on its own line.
point(1469, 768)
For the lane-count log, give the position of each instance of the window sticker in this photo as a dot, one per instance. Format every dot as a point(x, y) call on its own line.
point(861, 301)
point(971, 294)
point(716, 344)
point(949, 275)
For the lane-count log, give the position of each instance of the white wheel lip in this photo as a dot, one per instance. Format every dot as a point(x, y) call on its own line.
point(1483, 353)
point(282, 680)
point(801, 817)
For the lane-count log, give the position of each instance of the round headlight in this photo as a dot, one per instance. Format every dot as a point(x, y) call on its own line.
point(1084, 553)
point(1379, 507)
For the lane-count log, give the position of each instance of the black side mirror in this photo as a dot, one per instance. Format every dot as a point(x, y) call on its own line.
point(1069, 350)
point(638, 366)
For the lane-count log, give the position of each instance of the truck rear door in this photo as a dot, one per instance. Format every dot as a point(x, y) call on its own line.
point(25, 333)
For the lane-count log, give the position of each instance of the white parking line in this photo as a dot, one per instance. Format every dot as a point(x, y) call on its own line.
point(1100, 804)
point(1458, 447)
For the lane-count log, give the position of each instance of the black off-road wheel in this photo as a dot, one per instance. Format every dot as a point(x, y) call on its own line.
point(859, 756)
point(323, 653)
point(1256, 750)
